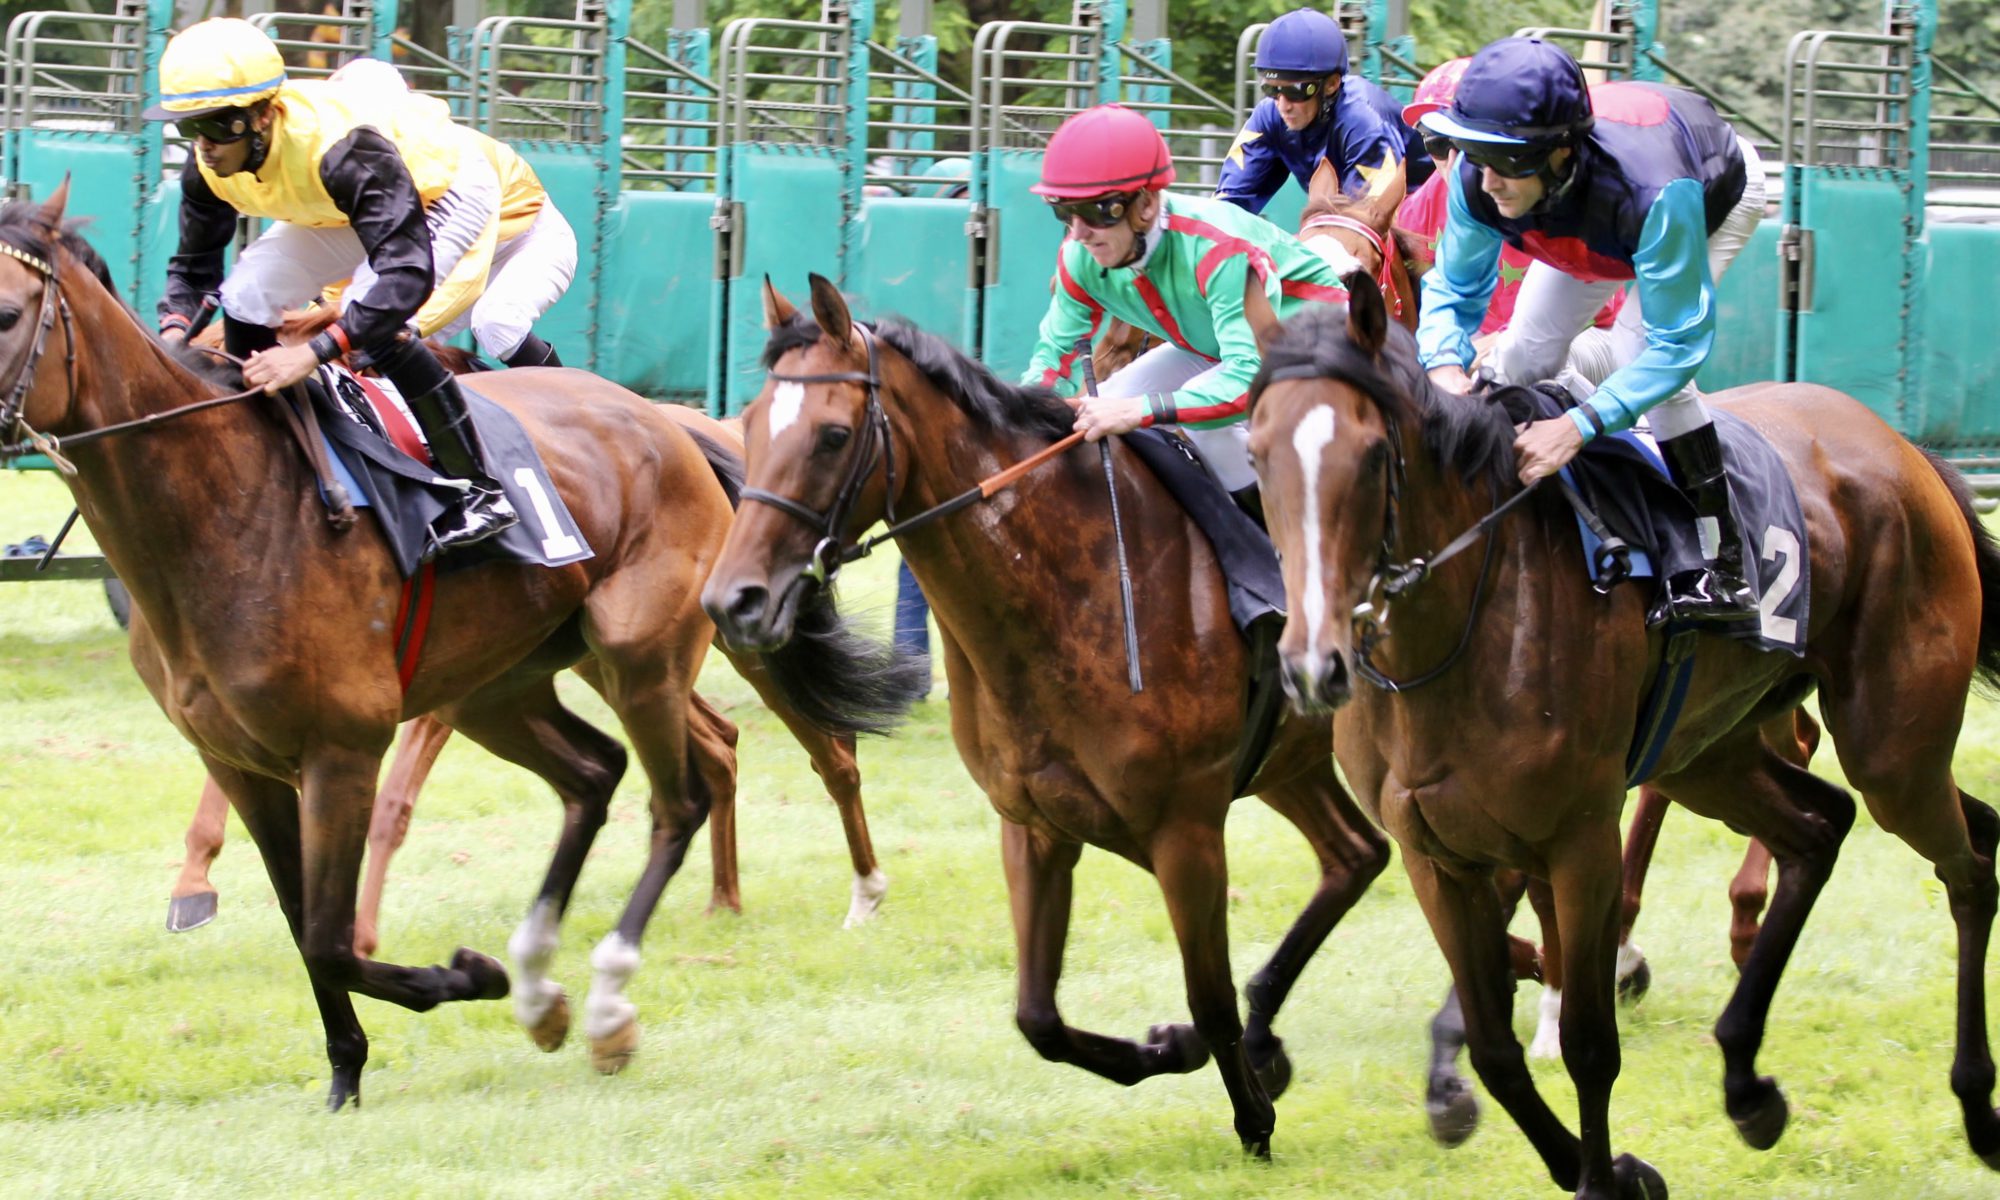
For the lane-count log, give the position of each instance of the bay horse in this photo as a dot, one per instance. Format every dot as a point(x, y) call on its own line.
point(285, 680)
point(862, 423)
point(1517, 759)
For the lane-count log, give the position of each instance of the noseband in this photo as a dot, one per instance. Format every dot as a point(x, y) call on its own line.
point(15, 435)
point(873, 445)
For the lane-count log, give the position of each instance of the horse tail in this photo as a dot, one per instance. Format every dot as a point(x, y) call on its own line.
point(838, 680)
point(723, 461)
point(1987, 550)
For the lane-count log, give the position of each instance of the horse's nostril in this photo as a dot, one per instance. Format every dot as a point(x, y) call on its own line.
point(748, 604)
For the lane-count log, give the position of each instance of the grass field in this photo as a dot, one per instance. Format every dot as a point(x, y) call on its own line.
point(784, 1055)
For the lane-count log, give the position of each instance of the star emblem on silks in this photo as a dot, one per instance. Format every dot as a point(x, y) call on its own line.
point(1243, 139)
point(1510, 275)
point(1378, 178)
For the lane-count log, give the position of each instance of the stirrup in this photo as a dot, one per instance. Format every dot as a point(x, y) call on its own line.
point(484, 513)
point(1707, 595)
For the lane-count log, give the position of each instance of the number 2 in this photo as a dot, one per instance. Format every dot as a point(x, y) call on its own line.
point(1779, 543)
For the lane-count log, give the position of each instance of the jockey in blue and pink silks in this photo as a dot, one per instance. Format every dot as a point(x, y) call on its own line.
point(1624, 181)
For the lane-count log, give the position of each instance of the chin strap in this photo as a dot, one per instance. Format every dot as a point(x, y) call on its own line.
point(260, 149)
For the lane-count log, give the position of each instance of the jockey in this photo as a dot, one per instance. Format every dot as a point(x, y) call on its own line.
point(1182, 268)
point(1423, 215)
point(533, 256)
point(1313, 110)
point(378, 186)
point(1598, 185)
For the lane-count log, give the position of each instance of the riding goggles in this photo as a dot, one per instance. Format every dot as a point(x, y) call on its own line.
point(1100, 213)
point(1296, 91)
point(1437, 147)
point(1508, 162)
point(231, 125)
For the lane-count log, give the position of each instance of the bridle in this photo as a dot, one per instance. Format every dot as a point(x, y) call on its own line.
point(16, 437)
point(1384, 245)
point(873, 445)
point(1393, 578)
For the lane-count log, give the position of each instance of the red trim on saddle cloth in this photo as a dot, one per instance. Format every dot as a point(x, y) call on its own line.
point(413, 613)
point(1061, 369)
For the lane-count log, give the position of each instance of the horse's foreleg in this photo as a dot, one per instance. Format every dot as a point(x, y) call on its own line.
point(1466, 917)
point(1193, 870)
point(1584, 876)
point(1039, 871)
point(423, 741)
point(192, 902)
point(833, 759)
point(712, 753)
point(1351, 854)
point(1794, 736)
point(270, 811)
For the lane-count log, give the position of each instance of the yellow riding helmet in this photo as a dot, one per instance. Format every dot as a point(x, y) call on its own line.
point(216, 65)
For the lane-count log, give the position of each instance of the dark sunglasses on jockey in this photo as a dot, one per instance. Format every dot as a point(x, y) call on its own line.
point(221, 128)
point(1100, 213)
point(1437, 147)
point(1295, 90)
point(1508, 162)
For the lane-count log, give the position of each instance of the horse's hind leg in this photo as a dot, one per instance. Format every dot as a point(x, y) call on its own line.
point(423, 741)
point(1642, 837)
point(192, 902)
point(1803, 820)
point(833, 758)
point(1450, 1106)
point(1795, 736)
point(523, 722)
point(1351, 854)
point(270, 811)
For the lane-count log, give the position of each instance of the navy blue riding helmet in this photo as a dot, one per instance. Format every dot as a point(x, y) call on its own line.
point(1304, 43)
point(1519, 99)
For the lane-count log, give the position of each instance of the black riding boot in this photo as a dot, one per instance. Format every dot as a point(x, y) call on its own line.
point(243, 339)
point(1251, 501)
point(1718, 593)
point(533, 352)
point(439, 407)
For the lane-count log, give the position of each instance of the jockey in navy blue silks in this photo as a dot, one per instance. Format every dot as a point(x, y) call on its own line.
point(1313, 110)
point(1624, 181)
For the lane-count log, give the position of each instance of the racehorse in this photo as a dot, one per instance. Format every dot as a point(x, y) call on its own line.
point(286, 681)
point(193, 898)
point(855, 424)
point(1517, 758)
point(1360, 235)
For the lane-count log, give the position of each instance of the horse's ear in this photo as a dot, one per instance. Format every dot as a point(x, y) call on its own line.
point(1379, 208)
point(830, 309)
point(52, 208)
point(777, 309)
point(1367, 316)
point(1324, 186)
point(1262, 317)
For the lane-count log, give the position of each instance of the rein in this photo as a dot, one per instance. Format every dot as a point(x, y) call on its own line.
point(830, 553)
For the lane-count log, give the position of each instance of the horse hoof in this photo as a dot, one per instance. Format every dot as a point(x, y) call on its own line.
point(190, 912)
point(488, 977)
point(1632, 988)
point(549, 1033)
point(1453, 1116)
point(1273, 1067)
point(1258, 1146)
point(721, 903)
point(1637, 1180)
point(613, 1052)
point(1761, 1118)
point(345, 1088)
point(1178, 1047)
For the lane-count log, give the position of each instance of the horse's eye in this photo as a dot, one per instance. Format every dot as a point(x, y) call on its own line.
point(9, 317)
point(833, 437)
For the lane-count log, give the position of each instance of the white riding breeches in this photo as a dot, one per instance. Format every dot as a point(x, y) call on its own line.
point(530, 273)
point(288, 266)
point(1553, 309)
point(1225, 449)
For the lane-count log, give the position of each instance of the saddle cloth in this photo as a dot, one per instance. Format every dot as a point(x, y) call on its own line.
point(1626, 481)
point(374, 443)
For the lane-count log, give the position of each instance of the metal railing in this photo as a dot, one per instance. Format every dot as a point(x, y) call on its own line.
point(1609, 51)
point(671, 113)
point(915, 119)
point(1028, 77)
point(782, 82)
point(539, 78)
point(1841, 111)
point(64, 70)
point(1196, 124)
point(315, 45)
point(435, 74)
point(1964, 142)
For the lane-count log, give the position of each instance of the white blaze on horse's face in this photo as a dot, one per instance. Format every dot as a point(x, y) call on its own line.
point(1310, 439)
point(1334, 254)
point(787, 400)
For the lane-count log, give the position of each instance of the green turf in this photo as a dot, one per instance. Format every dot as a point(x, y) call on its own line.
point(783, 1055)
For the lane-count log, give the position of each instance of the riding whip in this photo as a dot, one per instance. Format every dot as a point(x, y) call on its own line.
point(1117, 531)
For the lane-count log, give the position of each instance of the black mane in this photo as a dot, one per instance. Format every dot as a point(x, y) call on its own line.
point(1469, 434)
point(23, 227)
point(979, 394)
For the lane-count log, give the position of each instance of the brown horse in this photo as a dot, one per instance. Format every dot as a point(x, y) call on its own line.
point(1517, 757)
point(1359, 235)
point(286, 681)
point(860, 423)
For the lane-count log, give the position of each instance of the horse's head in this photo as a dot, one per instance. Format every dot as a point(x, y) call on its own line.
point(32, 254)
point(818, 449)
point(1357, 234)
point(1327, 455)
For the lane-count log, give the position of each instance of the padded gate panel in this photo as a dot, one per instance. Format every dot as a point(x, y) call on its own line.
point(790, 227)
point(655, 304)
